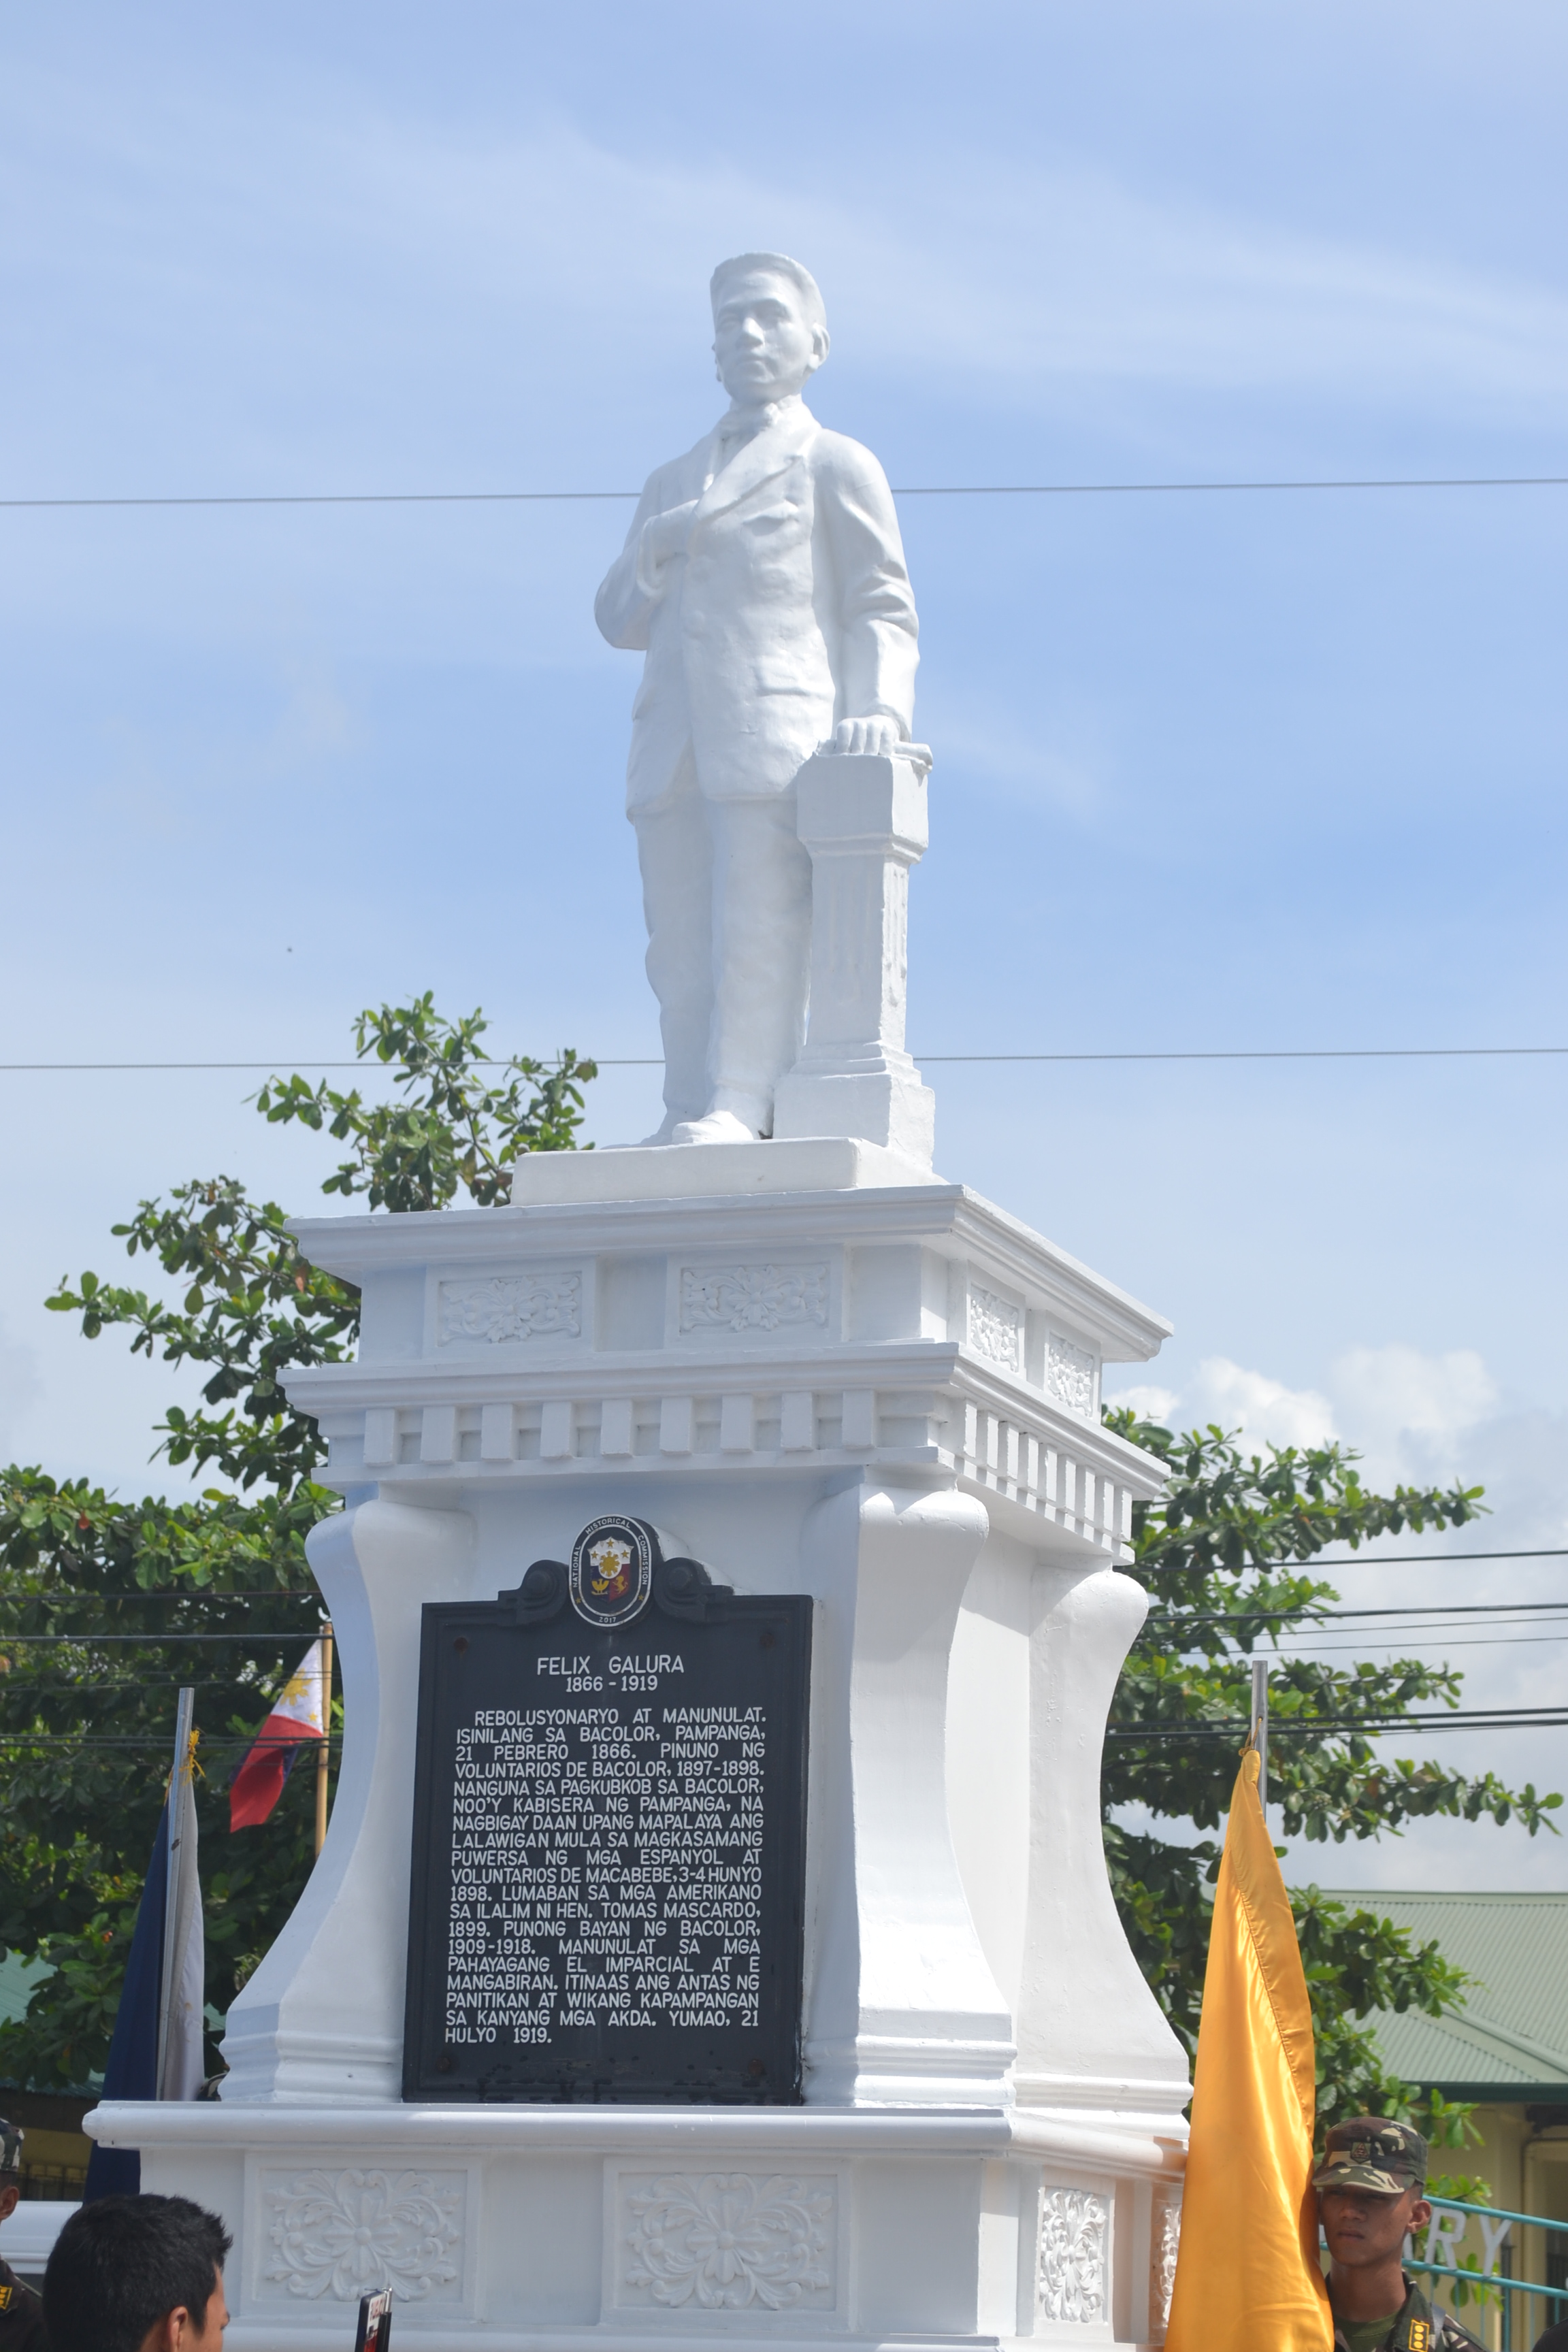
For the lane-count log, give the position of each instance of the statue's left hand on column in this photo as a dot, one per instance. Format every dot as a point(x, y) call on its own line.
point(878, 734)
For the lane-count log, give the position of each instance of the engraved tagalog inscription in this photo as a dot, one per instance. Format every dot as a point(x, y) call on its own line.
point(606, 1864)
point(608, 1843)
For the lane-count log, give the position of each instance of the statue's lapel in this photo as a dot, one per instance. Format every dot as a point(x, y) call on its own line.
point(768, 454)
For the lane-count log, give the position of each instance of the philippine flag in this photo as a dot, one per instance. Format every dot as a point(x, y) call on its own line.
point(301, 1713)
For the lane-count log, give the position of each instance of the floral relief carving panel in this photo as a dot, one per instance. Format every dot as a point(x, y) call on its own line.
point(1070, 2267)
point(1069, 1375)
point(346, 2233)
point(504, 1308)
point(995, 1326)
point(751, 1298)
point(727, 2241)
point(1164, 2243)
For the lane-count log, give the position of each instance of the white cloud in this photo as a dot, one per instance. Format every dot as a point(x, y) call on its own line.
point(1148, 1403)
point(1411, 1415)
point(1410, 1411)
point(1015, 273)
point(1421, 1418)
point(1263, 1410)
point(1416, 1419)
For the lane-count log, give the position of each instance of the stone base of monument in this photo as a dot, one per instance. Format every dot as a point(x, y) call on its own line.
point(742, 2009)
point(556, 2230)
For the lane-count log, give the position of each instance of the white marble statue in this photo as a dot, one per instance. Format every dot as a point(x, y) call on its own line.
point(763, 577)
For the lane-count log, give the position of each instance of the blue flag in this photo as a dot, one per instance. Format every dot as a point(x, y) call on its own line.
point(133, 2069)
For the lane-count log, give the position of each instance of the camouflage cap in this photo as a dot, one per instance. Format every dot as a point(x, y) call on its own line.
point(1369, 2153)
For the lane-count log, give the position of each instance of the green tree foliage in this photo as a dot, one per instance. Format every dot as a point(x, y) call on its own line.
point(93, 1599)
point(1224, 1554)
point(99, 1600)
point(453, 1126)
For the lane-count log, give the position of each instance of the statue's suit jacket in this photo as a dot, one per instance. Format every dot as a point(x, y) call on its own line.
point(789, 610)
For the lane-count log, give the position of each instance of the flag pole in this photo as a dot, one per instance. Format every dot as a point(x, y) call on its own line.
point(1260, 1725)
point(326, 1735)
point(185, 1714)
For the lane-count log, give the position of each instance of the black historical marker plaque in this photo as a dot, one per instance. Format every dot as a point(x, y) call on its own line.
point(609, 1836)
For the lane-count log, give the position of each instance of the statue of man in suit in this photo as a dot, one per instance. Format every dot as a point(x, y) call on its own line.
point(763, 577)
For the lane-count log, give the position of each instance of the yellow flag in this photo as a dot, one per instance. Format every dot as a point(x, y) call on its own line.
point(1248, 2275)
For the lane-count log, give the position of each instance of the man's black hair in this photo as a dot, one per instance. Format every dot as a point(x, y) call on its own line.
point(123, 2263)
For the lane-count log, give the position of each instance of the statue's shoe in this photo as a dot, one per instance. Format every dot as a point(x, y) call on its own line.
point(718, 1127)
point(662, 1134)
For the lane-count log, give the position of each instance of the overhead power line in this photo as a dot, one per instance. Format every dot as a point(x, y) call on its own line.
point(656, 1061)
point(241, 1638)
point(84, 1598)
point(1237, 1732)
point(1268, 1054)
point(1497, 1718)
point(303, 1062)
point(1302, 1648)
point(1372, 1559)
point(903, 490)
point(34, 1687)
point(1279, 1726)
point(1296, 1652)
point(1383, 1559)
point(210, 1740)
point(1412, 1620)
point(1165, 490)
point(1415, 1614)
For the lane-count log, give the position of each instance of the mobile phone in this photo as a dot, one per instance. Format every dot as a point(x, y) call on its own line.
point(374, 2332)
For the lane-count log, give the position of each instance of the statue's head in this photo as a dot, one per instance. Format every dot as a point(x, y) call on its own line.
point(770, 329)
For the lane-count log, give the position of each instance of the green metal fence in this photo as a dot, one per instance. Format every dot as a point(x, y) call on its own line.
point(1484, 2275)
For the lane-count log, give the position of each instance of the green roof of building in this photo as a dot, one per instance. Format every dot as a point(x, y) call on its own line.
point(1510, 2041)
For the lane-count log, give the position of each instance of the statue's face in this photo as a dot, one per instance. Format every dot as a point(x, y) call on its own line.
point(765, 346)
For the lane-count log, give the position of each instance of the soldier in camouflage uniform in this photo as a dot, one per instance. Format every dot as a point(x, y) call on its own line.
point(21, 2310)
point(1370, 2189)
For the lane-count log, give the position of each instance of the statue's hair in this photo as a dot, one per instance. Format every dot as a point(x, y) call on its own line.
point(777, 265)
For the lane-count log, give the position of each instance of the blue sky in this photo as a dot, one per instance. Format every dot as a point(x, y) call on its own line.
point(1222, 771)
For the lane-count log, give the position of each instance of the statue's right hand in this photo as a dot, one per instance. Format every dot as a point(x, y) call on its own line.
point(664, 536)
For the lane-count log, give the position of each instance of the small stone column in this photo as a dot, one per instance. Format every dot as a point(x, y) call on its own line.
point(901, 2006)
point(1091, 2033)
point(863, 818)
point(321, 2019)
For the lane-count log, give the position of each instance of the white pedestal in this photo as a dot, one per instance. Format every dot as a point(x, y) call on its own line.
point(885, 1395)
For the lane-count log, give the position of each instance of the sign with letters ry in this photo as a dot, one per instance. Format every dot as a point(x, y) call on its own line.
point(609, 1836)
